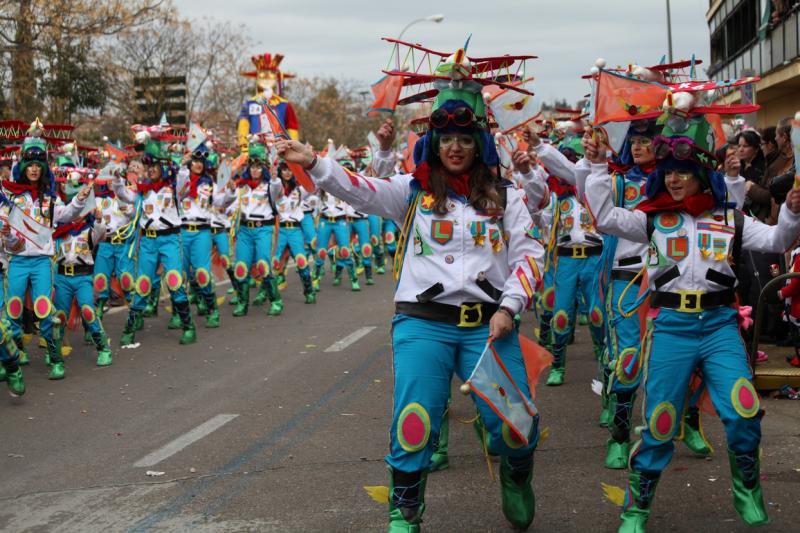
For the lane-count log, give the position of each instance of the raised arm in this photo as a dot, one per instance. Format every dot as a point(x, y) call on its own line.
point(556, 163)
point(71, 211)
point(123, 193)
point(763, 238)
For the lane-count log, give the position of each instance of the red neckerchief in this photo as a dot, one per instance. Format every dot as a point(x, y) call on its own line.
point(18, 189)
point(104, 193)
point(695, 205)
point(63, 229)
point(194, 181)
point(252, 183)
point(458, 184)
point(154, 186)
point(648, 168)
point(561, 188)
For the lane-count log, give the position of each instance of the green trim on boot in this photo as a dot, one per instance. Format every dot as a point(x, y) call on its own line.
point(57, 371)
point(636, 507)
point(275, 308)
point(174, 321)
point(406, 519)
point(16, 385)
point(519, 502)
point(3, 374)
point(439, 460)
point(261, 297)
point(242, 303)
point(138, 323)
point(99, 308)
point(748, 499)
point(212, 320)
point(617, 454)
point(189, 335)
point(607, 409)
point(556, 377)
point(23, 355)
point(100, 340)
point(337, 276)
point(695, 438)
point(202, 307)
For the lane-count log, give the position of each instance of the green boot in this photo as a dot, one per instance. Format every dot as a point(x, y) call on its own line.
point(16, 385)
point(151, 308)
point(202, 307)
point(747, 497)
point(212, 320)
point(617, 454)
point(175, 320)
point(368, 274)
point(3, 373)
point(242, 302)
point(638, 497)
point(189, 332)
point(262, 296)
point(274, 296)
point(556, 377)
point(439, 460)
point(129, 331)
point(100, 307)
point(406, 501)
point(57, 369)
point(23, 355)
point(606, 409)
point(100, 340)
point(337, 276)
point(519, 503)
point(281, 282)
point(693, 436)
point(308, 286)
point(354, 286)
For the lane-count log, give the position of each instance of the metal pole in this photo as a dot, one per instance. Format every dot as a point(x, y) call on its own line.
point(669, 32)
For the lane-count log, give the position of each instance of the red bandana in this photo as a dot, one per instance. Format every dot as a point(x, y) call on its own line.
point(63, 229)
point(18, 189)
point(151, 186)
point(194, 181)
point(695, 205)
point(560, 187)
point(252, 183)
point(458, 184)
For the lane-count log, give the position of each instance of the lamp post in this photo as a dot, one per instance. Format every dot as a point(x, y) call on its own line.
point(669, 32)
point(432, 18)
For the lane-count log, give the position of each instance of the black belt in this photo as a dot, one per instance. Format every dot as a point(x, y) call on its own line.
point(692, 301)
point(290, 224)
point(218, 230)
point(153, 233)
point(75, 270)
point(579, 252)
point(334, 219)
point(466, 315)
point(623, 275)
point(256, 223)
point(188, 226)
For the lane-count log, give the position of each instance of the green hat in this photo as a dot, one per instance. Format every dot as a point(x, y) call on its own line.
point(33, 152)
point(64, 160)
point(156, 150)
point(696, 128)
point(213, 159)
point(256, 150)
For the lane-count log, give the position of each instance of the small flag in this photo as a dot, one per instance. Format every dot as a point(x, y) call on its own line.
point(512, 109)
point(619, 98)
point(387, 93)
point(491, 382)
point(299, 172)
point(90, 206)
point(224, 173)
point(616, 132)
point(195, 137)
point(33, 232)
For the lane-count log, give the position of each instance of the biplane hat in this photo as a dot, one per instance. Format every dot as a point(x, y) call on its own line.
point(34, 152)
point(686, 143)
point(257, 154)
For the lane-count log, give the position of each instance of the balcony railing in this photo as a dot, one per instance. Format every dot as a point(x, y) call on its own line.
point(780, 47)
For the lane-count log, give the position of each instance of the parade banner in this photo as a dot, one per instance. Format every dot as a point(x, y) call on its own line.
point(27, 228)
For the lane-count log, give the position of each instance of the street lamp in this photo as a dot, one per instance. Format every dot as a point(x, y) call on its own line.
point(669, 32)
point(432, 18)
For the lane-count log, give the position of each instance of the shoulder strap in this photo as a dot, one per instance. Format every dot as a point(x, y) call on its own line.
point(651, 225)
point(402, 239)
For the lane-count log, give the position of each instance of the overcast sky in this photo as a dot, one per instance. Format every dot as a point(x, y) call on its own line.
point(342, 38)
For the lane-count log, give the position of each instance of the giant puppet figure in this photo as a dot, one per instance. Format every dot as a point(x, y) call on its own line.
point(269, 90)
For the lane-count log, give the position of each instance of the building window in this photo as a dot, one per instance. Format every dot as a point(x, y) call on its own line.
point(735, 32)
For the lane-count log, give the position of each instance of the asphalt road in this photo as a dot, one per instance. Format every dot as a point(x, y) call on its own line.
point(306, 429)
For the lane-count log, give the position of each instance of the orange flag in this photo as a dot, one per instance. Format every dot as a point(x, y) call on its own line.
point(719, 134)
point(387, 93)
point(408, 153)
point(619, 98)
point(536, 360)
point(299, 172)
point(117, 155)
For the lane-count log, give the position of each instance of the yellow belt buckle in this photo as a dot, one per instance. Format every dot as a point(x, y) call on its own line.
point(193, 227)
point(579, 252)
point(464, 322)
point(69, 270)
point(151, 233)
point(690, 301)
point(251, 224)
point(116, 239)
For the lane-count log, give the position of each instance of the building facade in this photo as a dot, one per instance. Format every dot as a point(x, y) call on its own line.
point(758, 37)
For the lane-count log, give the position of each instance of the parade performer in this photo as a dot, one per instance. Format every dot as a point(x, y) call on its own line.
point(76, 242)
point(576, 248)
point(10, 372)
point(198, 194)
point(269, 91)
point(290, 233)
point(362, 248)
point(333, 221)
point(257, 192)
point(221, 223)
point(33, 192)
point(114, 252)
point(159, 240)
point(695, 239)
point(443, 320)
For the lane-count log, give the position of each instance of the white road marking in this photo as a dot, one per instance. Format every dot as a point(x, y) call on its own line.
point(340, 345)
point(121, 308)
point(184, 440)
